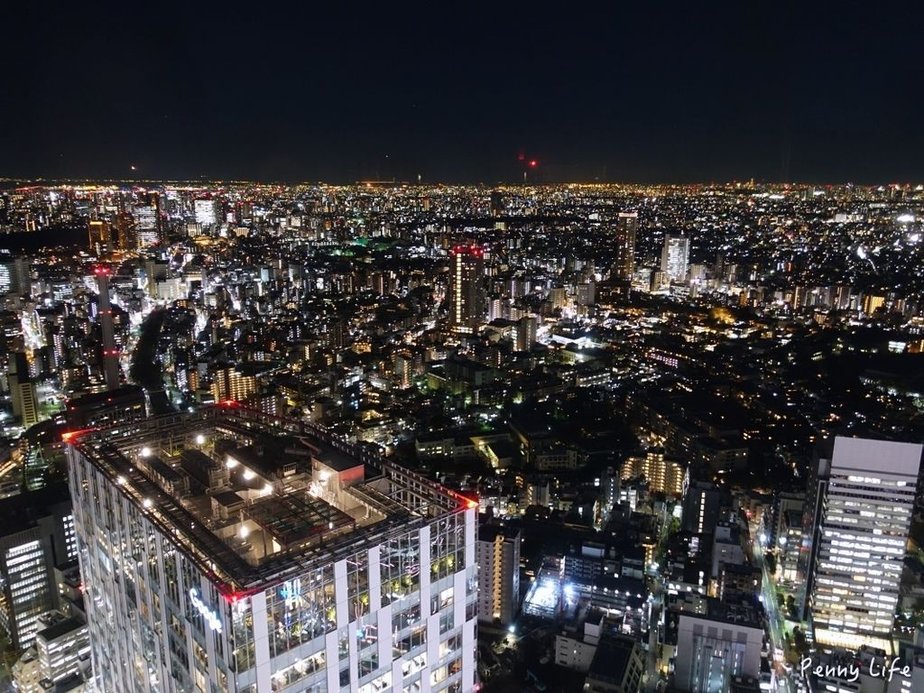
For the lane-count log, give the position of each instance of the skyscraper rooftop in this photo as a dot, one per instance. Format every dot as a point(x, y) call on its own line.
point(253, 498)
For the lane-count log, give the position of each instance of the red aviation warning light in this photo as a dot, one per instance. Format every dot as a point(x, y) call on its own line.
point(533, 163)
point(473, 250)
point(469, 503)
point(69, 437)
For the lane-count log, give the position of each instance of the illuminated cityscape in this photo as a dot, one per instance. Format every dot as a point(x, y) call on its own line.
point(455, 349)
point(684, 439)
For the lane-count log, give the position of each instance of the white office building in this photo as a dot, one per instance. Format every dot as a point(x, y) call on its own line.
point(206, 212)
point(722, 642)
point(675, 257)
point(36, 534)
point(864, 521)
point(60, 656)
point(146, 225)
point(230, 551)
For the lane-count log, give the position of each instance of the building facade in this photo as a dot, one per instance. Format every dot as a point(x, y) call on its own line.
point(675, 257)
point(498, 556)
point(37, 534)
point(289, 571)
point(626, 228)
point(466, 293)
point(864, 520)
point(59, 660)
point(716, 646)
point(663, 475)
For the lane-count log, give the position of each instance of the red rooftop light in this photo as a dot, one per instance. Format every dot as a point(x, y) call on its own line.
point(71, 436)
point(475, 250)
point(470, 503)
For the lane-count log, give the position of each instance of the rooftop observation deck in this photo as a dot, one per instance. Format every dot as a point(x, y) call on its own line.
point(254, 499)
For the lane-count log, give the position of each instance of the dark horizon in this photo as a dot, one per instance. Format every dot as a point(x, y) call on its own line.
point(826, 94)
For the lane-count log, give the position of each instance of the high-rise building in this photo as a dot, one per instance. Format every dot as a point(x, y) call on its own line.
point(231, 384)
point(864, 520)
point(147, 225)
point(663, 475)
point(15, 275)
point(37, 534)
point(406, 366)
point(99, 236)
point(617, 667)
point(466, 290)
point(111, 371)
point(675, 256)
point(206, 212)
point(105, 409)
point(497, 203)
point(626, 229)
point(609, 490)
point(25, 400)
point(558, 297)
point(702, 506)
point(126, 235)
point(286, 566)
point(498, 556)
point(526, 333)
point(585, 294)
point(63, 649)
point(23, 391)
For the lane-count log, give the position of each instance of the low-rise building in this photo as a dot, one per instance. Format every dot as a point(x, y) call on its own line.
point(63, 650)
point(60, 658)
point(720, 642)
point(576, 649)
point(663, 475)
point(617, 667)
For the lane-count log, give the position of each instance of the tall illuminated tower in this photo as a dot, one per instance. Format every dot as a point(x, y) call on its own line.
point(99, 235)
point(110, 353)
point(626, 228)
point(466, 291)
point(864, 519)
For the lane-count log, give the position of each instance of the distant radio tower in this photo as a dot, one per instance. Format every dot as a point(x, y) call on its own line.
point(110, 353)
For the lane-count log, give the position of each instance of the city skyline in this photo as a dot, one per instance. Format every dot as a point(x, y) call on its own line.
point(475, 348)
point(666, 436)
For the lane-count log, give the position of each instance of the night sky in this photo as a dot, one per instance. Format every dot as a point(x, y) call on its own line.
point(454, 92)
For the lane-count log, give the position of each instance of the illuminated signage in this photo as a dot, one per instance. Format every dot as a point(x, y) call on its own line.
point(210, 616)
point(290, 591)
